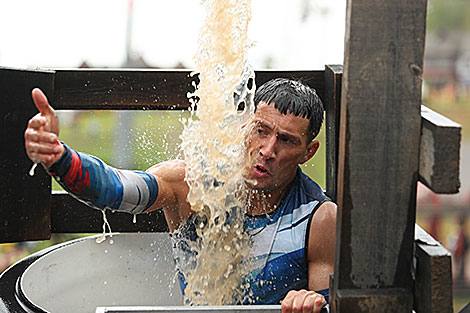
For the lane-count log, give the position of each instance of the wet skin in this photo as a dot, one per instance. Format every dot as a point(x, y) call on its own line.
point(276, 145)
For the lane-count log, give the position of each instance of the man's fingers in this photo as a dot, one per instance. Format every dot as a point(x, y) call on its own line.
point(40, 100)
point(42, 148)
point(41, 134)
point(32, 134)
point(299, 300)
point(286, 304)
point(45, 159)
point(302, 301)
point(309, 304)
point(37, 121)
point(47, 119)
point(314, 303)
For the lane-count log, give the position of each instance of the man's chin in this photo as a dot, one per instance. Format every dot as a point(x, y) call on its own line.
point(257, 185)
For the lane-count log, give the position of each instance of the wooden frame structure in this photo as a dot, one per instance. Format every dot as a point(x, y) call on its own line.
point(378, 146)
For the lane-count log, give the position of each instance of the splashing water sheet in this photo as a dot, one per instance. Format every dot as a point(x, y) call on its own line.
point(213, 149)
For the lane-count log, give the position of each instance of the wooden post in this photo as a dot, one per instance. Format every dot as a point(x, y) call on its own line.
point(24, 200)
point(332, 102)
point(378, 155)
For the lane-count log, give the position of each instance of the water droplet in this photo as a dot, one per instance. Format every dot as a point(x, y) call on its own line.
point(31, 171)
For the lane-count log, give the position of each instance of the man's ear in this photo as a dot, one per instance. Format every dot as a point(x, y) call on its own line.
point(312, 148)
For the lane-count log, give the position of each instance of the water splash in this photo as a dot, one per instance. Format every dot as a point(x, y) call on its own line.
point(213, 149)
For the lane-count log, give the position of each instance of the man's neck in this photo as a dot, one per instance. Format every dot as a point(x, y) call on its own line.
point(264, 202)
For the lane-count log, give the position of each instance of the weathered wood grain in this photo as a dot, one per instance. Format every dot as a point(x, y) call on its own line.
point(433, 284)
point(94, 89)
point(439, 161)
point(24, 200)
point(379, 146)
point(332, 102)
point(384, 300)
point(68, 215)
point(111, 89)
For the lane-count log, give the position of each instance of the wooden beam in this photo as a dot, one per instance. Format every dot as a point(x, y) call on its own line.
point(68, 215)
point(373, 300)
point(439, 160)
point(379, 149)
point(24, 200)
point(95, 89)
point(111, 89)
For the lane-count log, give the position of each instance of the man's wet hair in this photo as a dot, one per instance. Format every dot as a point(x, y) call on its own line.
point(292, 96)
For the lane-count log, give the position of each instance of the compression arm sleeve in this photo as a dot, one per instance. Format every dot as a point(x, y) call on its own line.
point(101, 186)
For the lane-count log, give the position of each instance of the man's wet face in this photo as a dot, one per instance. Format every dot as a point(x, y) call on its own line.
point(277, 143)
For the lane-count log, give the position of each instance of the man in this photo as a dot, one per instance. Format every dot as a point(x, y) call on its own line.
point(300, 228)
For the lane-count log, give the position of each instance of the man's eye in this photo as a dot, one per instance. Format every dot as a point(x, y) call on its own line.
point(259, 130)
point(284, 139)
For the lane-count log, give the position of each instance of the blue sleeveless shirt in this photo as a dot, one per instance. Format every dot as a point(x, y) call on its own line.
point(279, 244)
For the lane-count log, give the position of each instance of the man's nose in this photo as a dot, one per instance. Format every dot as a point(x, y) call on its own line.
point(268, 147)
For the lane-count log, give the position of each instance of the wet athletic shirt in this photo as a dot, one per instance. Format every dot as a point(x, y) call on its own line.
point(280, 244)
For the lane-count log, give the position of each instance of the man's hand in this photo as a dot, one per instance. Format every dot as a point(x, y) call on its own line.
point(302, 301)
point(42, 133)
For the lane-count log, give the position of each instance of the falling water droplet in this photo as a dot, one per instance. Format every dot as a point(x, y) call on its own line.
point(31, 171)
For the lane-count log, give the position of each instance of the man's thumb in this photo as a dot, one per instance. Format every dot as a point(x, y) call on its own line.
point(40, 100)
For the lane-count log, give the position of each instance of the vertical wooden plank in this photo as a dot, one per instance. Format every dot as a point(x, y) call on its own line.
point(433, 283)
point(379, 150)
point(333, 76)
point(24, 200)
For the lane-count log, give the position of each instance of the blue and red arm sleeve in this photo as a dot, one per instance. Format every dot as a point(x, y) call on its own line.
point(101, 186)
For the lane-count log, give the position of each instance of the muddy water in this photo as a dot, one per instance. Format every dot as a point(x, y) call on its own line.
point(213, 148)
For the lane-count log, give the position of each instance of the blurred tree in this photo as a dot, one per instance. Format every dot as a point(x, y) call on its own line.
point(448, 15)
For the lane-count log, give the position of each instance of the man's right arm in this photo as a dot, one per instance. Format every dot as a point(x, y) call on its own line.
point(99, 185)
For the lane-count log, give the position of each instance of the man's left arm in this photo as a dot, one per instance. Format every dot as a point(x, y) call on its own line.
point(321, 255)
point(321, 246)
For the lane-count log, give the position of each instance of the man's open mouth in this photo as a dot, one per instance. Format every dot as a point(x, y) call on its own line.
point(260, 168)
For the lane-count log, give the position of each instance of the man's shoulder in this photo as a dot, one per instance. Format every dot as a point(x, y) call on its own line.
point(311, 188)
